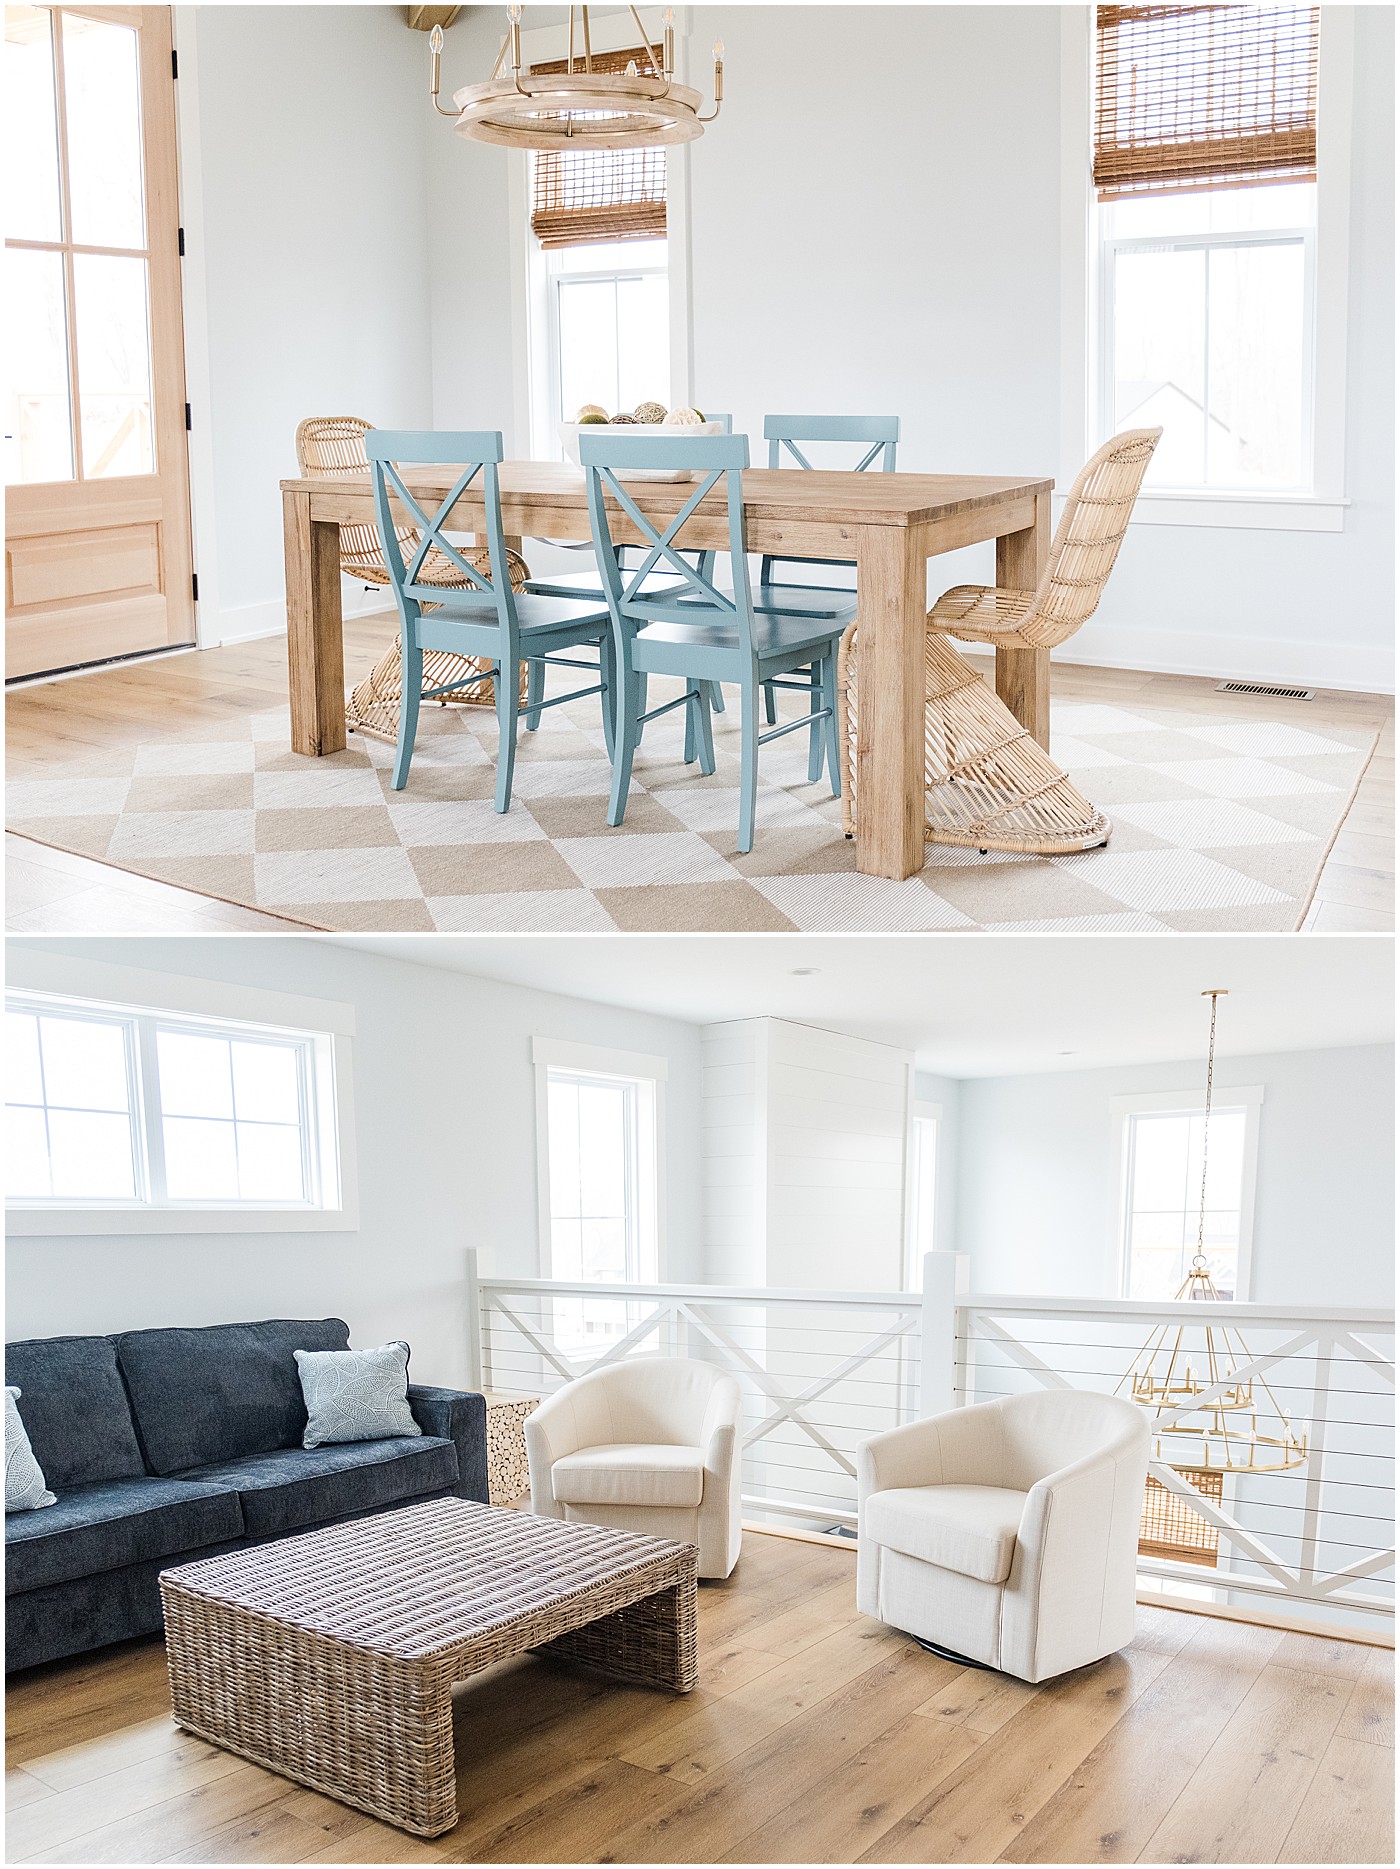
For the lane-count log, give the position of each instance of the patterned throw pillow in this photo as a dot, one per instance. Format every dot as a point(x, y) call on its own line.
point(355, 1395)
point(24, 1480)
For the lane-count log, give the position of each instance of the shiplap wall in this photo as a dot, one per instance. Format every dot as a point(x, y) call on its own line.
point(802, 1156)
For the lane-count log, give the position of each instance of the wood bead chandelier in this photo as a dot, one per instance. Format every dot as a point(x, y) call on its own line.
point(578, 107)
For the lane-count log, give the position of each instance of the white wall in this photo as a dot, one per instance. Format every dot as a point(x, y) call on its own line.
point(876, 226)
point(1037, 1183)
point(302, 136)
point(445, 1123)
point(803, 1151)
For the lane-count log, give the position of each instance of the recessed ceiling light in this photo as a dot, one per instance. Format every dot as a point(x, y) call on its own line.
point(801, 973)
point(1066, 1054)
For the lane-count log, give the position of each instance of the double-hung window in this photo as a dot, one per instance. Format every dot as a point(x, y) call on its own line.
point(600, 265)
point(1165, 1156)
point(127, 1118)
point(600, 1122)
point(1205, 169)
point(921, 1191)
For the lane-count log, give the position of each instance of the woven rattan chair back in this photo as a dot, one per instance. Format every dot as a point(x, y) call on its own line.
point(334, 446)
point(1092, 526)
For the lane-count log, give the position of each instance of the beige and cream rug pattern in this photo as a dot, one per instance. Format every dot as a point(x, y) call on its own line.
point(1220, 823)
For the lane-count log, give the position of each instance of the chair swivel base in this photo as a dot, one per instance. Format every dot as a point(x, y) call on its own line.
point(951, 1654)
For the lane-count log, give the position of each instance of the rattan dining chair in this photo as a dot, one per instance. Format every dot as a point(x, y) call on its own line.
point(486, 623)
point(701, 633)
point(988, 784)
point(334, 446)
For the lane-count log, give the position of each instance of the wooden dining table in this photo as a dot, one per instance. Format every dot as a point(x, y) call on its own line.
point(890, 525)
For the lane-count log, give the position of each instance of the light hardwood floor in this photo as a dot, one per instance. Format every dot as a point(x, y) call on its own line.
point(815, 1735)
point(56, 724)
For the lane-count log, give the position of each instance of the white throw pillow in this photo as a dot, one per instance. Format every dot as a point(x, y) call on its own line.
point(355, 1395)
point(24, 1479)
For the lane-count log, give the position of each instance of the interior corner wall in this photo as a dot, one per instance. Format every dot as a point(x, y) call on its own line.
point(1039, 1176)
point(444, 1087)
point(302, 148)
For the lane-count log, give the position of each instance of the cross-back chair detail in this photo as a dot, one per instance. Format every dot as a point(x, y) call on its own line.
point(333, 447)
point(694, 629)
point(484, 622)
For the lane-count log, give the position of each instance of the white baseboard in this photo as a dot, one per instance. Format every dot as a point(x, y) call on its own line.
point(253, 622)
point(1355, 667)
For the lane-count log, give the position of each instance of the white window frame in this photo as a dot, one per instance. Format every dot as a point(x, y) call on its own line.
point(545, 421)
point(1111, 249)
point(649, 1073)
point(915, 1249)
point(1250, 1099)
point(140, 995)
point(536, 429)
point(1085, 349)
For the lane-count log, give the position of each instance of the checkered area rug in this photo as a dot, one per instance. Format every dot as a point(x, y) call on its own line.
point(1220, 823)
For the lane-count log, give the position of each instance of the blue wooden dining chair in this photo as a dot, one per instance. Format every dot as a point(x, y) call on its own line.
point(878, 435)
point(589, 584)
point(699, 632)
point(486, 618)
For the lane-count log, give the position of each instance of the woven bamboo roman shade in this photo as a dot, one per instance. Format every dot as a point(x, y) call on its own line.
point(599, 194)
point(1193, 97)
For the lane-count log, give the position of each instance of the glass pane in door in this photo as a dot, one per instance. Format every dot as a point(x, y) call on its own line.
point(31, 129)
point(38, 425)
point(114, 365)
point(102, 96)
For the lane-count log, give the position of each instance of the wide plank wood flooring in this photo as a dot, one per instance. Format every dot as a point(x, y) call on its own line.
point(51, 724)
point(815, 1735)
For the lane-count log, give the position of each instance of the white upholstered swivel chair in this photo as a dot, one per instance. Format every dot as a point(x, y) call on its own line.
point(1006, 1533)
point(648, 1445)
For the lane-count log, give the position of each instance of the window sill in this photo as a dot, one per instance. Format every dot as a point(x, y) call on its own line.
point(92, 1222)
point(1255, 512)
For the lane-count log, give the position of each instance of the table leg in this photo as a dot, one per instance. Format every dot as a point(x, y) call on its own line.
point(651, 1641)
point(890, 580)
point(315, 649)
point(1023, 675)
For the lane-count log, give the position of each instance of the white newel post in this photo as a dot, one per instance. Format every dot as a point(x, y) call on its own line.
point(945, 1277)
point(473, 1320)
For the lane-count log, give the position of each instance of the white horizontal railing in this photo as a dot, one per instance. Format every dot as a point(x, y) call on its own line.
point(818, 1371)
point(822, 1371)
point(1315, 1538)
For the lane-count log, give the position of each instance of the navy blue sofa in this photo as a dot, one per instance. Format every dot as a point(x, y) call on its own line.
point(168, 1445)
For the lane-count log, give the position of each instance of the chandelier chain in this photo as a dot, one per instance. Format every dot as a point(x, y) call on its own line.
point(1200, 1258)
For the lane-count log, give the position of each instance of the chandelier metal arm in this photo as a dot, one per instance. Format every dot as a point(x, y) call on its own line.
point(435, 55)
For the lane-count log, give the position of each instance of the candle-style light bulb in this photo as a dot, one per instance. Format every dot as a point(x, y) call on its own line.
point(435, 40)
point(668, 43)
point(513, 15)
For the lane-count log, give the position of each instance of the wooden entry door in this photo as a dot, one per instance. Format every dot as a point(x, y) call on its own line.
point(97, 546)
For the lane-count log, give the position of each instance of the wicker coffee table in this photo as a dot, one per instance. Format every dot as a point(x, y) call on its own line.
point(330, 1658)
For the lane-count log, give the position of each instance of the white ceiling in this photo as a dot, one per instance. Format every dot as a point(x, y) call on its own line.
point(967, 1005)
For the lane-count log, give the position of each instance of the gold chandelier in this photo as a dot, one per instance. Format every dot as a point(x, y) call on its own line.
point(578, 107)
point(1234, 1430)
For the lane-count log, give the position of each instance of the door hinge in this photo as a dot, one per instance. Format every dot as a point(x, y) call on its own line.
point(194, 585)
point(181, 232)
point(188, 423)
point(174, 63)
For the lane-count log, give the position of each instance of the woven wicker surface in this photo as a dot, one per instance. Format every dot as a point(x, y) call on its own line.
point(334, 445)
point(1092, 526)
point(330, 1657)
point(987, 784)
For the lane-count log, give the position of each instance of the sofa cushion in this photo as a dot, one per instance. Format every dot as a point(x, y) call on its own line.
point(296, 1487)
point(115, 1523)
point(74, 1407)
point(629, 1473)
point(970, 1529)
point(218, 1393)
